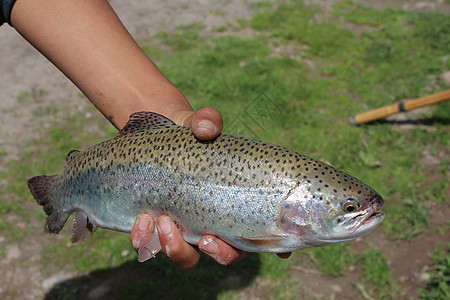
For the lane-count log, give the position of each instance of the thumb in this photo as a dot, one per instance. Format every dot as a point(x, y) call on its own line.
point(205, 123)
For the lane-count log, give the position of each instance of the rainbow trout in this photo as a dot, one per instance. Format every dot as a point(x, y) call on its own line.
point(256, 196)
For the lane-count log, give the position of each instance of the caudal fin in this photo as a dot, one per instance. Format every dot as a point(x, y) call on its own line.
point(41, 189)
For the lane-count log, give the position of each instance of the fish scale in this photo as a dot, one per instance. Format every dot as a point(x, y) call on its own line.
point(256, 196)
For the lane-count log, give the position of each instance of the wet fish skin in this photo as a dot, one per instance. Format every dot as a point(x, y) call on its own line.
point(256, 196)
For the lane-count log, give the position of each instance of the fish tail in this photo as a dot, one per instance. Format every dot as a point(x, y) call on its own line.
point(41, 188)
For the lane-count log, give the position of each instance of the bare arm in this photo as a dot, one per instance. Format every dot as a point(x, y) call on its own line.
point(88, 43)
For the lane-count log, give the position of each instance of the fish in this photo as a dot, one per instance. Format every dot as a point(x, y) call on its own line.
point(254, 195)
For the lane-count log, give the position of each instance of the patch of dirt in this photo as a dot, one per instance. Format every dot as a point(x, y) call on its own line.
point(25, 70)
point(414, 5)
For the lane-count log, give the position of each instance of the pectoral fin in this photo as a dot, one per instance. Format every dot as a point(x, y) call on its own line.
point(263, 242)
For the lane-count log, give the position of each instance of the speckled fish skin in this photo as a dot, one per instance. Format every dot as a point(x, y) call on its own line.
point(256, 196)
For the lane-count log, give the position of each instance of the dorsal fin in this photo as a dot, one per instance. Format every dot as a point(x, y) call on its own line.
point(71, 155)
point(144, 121)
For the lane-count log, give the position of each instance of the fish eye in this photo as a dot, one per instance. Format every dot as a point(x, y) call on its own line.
point(350, 205)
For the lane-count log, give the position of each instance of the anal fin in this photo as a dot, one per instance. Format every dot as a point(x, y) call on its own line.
point(83, 228)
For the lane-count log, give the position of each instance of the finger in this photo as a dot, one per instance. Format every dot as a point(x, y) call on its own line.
point(206, 123)
point(142, 231)
point(284, 255)
point(182, 254)
point(144, 238)
point(220, 251)
point(181, 117)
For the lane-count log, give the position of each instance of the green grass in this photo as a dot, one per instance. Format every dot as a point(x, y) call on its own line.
point(377, 270)
point(407, 219)
point(272, 266)
point(438, 286)
point(298, 105)
point(2, 252)
point(286, 291)
point(217, 12)
point(333, 260)
point(103, 251)
point(45, 155)
point(220, 28)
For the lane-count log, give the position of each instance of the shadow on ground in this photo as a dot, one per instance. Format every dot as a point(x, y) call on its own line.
point(158, 279)
point(415, 122)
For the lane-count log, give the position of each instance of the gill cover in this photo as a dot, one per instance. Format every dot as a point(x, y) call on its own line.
point(294, 216)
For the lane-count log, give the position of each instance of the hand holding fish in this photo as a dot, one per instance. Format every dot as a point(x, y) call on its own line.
point(182, 254)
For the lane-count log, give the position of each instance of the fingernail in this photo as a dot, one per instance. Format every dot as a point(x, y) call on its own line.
point(164, 226)
point(209, 246)
point(143, 224)
point(206, 125)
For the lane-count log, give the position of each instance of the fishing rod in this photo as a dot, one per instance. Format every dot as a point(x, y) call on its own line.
point(406, 105)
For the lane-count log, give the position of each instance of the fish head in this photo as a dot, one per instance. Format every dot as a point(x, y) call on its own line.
point(327, 211)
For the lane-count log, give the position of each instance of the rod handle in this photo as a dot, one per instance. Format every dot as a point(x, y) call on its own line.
point(385, 111)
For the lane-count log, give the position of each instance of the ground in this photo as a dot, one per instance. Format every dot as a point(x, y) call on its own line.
point(24, 69)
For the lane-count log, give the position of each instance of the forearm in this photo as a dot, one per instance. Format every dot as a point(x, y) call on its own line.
point(89, 44)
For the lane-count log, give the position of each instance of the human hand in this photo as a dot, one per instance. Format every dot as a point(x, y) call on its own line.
point(184, 255)
point(169, 239)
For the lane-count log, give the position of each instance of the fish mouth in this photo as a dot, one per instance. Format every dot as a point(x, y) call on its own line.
point(370, 223)
point(370, 215)
point(358, 224)
point(369, 219)
point(365, 227)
